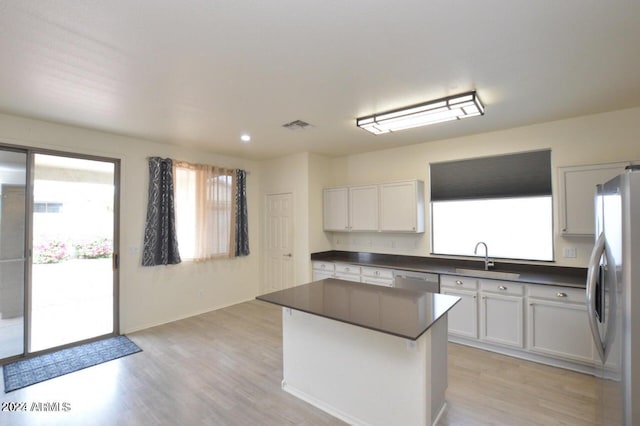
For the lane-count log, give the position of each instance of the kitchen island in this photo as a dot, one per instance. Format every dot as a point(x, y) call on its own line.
point(368, 355)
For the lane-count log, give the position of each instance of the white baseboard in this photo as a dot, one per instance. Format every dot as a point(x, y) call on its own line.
point(180, 317)
point(529, 356)
point(327, 408)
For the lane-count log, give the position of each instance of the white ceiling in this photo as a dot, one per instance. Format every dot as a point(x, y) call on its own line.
point(201, 72)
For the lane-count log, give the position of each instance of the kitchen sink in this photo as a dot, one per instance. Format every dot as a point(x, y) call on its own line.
point(488, 274)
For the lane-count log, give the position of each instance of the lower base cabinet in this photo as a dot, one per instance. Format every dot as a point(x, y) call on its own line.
point(463, 317)
point(501, 313)
point(377, 276)
point(321, 275)
point(322, 270)
point(542, 323)
point(559, 330)
point(501, 319)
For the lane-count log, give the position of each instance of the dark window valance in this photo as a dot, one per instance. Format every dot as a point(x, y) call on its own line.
point(524, 174)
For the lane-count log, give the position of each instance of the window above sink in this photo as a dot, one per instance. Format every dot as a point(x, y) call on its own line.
point(504, 201)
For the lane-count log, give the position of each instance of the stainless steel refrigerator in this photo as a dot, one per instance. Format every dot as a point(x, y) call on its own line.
point(613, 298)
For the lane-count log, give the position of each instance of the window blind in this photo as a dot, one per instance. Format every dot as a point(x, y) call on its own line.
point(526, 174)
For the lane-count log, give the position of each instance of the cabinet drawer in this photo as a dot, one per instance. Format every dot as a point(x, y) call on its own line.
point(559, 294)
point(463, 283)
point(377, 272)
point(324, 266)
point(502, 287)
point(345, 268)
point(386, 282)
point(348, 277)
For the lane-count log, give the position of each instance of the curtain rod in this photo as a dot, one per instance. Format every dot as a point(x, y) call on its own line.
point(195, 164)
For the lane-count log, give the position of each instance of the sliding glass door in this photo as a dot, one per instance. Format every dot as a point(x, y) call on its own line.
point(65, 291)
point(13, 182)
point(72, 273)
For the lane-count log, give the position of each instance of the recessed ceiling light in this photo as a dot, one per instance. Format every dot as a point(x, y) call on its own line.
point(245, 138)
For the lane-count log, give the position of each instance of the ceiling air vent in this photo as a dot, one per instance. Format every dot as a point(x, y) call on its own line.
point(297, 125)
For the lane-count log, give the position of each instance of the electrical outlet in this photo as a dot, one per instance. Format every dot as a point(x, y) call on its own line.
point(570, 252)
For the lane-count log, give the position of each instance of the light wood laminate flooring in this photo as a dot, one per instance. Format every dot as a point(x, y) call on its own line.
point(225, 368)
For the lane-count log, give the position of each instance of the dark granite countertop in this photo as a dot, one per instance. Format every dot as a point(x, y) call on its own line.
point(535, 274)
point(396, 311)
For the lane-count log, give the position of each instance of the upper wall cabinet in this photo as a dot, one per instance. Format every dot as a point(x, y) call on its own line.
point(336, 209)
point(577, 187)
point(402, 206)
point(363, 208)
point(388, 207)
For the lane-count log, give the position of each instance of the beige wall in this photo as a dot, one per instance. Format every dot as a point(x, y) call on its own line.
point(304, 175)
point(150, 296)
point(291, 175)
point(320, 177)
point(601, 138)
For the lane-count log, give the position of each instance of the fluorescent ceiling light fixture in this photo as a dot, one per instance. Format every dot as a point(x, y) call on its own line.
point(454, 107)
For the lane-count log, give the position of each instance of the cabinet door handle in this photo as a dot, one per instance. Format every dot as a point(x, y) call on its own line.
point(561, 294)
point(288, 255)
point(377, 273)
point(502, 287)
point(458, 282)
point(474, 297)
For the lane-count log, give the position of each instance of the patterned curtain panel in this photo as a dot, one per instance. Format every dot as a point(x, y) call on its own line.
point(160, 238)
point(242, 218)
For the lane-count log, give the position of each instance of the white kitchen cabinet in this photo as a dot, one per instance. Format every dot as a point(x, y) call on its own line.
point(336, 209)
point(576, 185)
point(387, 207)
point(347, 272)
point(402, 206)
point(463, 317)
point(322, 270)
point(351, 208)
point(557, 323)
point(321, 275)
point(363, 208)
point(501, 313)
point(377, 276)
point(542, 323)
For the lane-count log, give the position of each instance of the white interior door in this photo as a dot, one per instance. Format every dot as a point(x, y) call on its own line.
point(279, 242)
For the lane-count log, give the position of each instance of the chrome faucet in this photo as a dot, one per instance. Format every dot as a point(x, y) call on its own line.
point(488, 263)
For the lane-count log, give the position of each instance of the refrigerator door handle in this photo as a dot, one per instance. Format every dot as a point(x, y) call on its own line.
point(592, 275)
